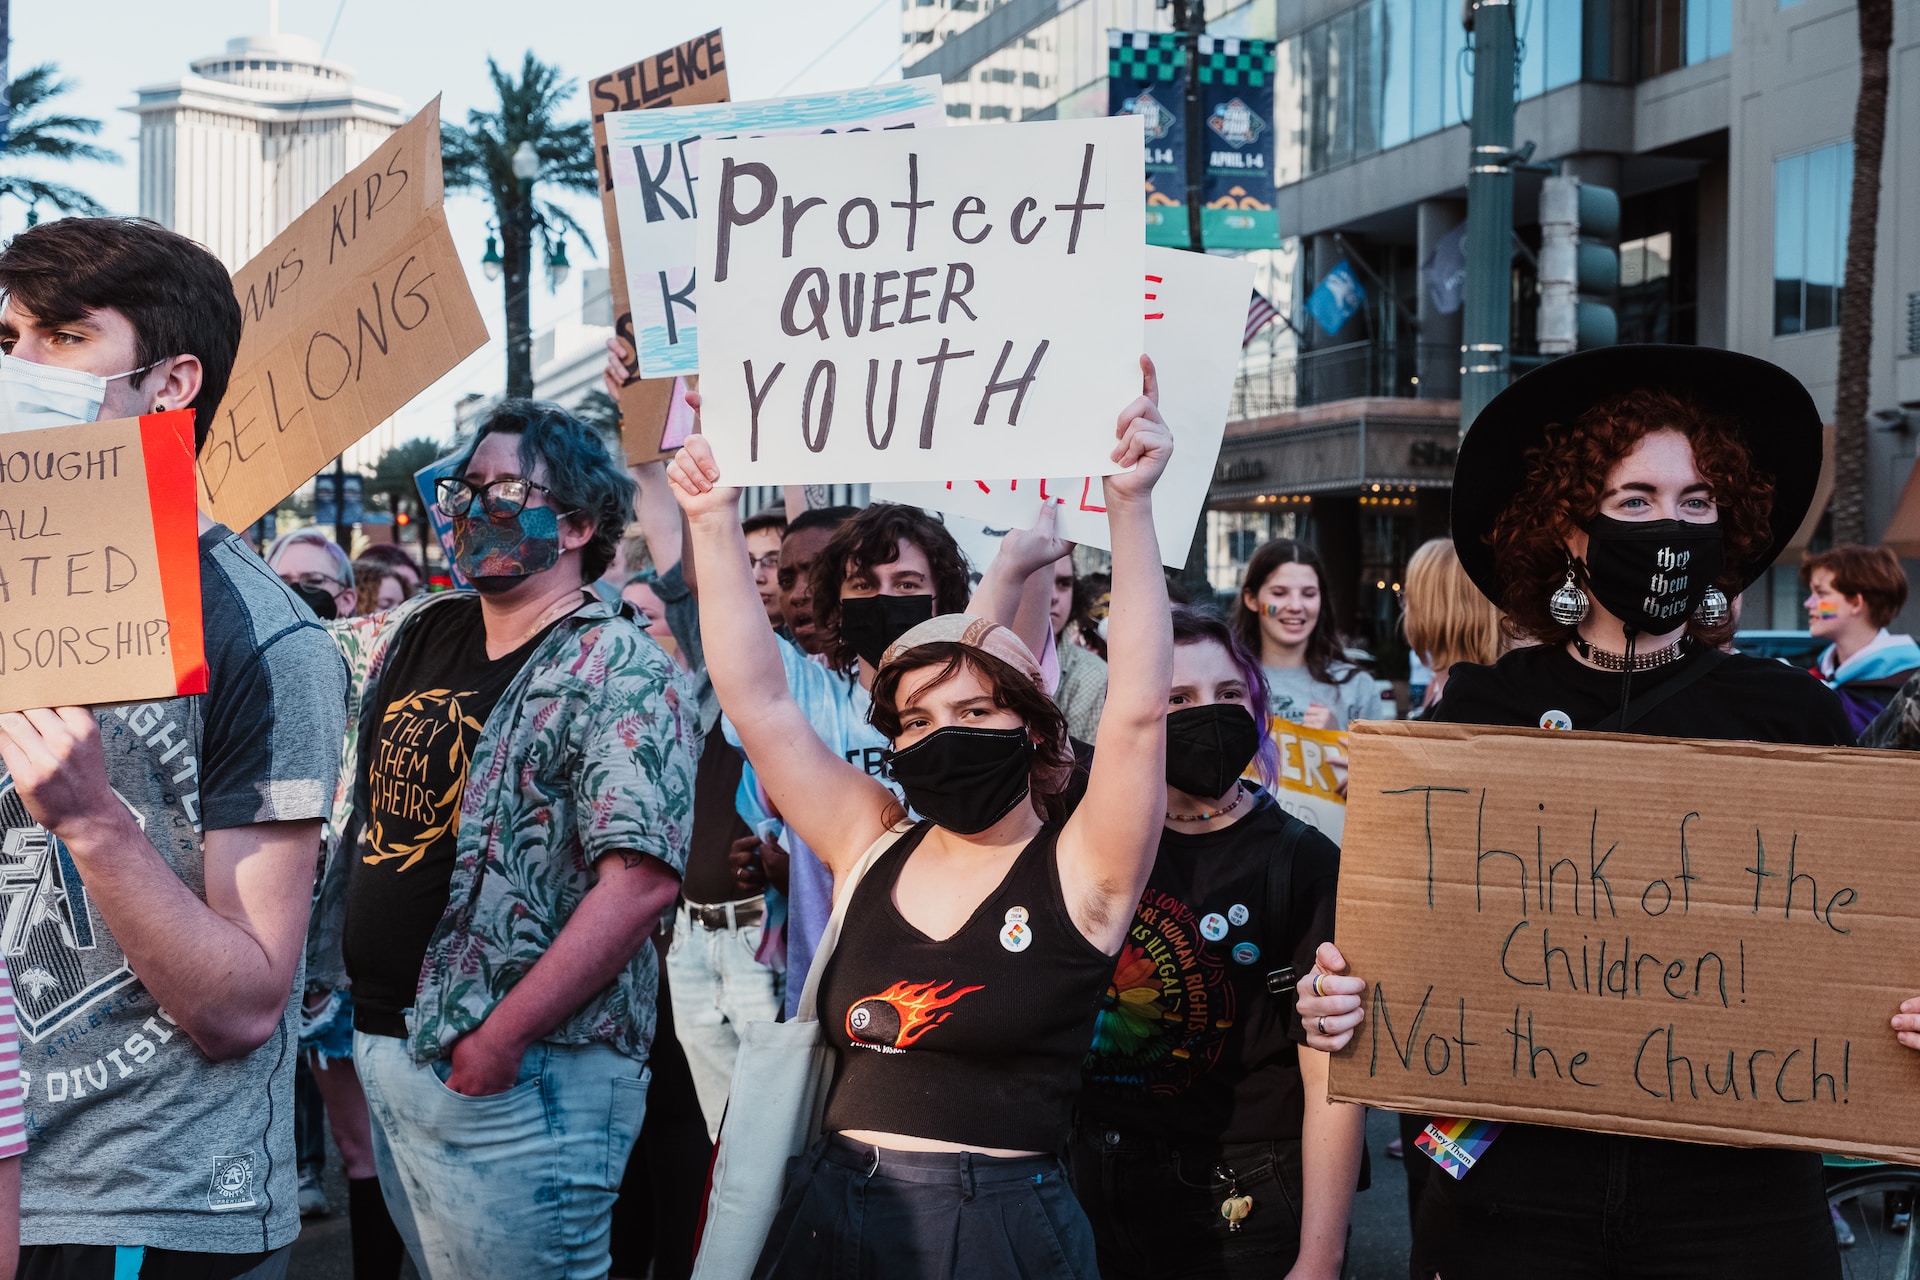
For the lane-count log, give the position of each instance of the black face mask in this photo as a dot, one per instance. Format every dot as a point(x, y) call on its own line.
point(1209, 747)
point(1651, 574)
point(964, 779)
point(868, 624)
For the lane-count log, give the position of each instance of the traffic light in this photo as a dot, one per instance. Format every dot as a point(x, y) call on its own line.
point(1579, 266)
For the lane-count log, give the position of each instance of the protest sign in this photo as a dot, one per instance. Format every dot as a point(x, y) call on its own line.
point(1311, 764)
point(1019, 250)
point(688, 73)
point(1673, 938)
point(1193, 334)
point(426, 481)
point(352, 311)
point(657, 172)
point(99, 564)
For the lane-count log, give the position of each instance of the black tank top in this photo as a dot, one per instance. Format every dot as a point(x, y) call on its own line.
point(977, 1039)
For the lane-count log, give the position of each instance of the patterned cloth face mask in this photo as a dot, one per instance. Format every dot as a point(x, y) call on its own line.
point(496, 554)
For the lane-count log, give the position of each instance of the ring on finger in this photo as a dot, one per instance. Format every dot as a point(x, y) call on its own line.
point(1321, 1023)
point(1317, 975)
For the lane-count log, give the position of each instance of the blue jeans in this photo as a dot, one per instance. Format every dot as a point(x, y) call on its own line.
point(517, 1184)
point(718, 987)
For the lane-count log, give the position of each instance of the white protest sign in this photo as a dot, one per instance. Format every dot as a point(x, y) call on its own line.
point(976, 289)
point(1195, 310)
point(654, 156)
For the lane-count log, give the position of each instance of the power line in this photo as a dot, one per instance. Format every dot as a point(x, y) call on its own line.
point(838, 41)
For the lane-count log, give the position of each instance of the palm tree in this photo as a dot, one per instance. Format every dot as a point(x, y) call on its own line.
point(34, 131)
point(480, 158)
point(1856, 292)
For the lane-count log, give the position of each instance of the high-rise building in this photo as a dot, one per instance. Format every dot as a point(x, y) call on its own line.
point(1723, 127)
point(242, 144)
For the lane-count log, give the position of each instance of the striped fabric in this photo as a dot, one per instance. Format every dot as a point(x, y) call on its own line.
point(1259, 312)
point(13, 1123)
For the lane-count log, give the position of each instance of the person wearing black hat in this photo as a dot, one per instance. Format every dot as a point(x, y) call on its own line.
point(1612, 503)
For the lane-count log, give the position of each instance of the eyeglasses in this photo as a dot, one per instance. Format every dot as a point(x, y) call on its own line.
point(314, 582)
point(500, 499)
point(769, 562)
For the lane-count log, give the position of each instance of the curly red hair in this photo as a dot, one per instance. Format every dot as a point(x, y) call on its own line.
point(1567, 474)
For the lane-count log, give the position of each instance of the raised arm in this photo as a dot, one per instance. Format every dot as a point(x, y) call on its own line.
point(837, 809)
point(1108, 846)
point(1013, 591)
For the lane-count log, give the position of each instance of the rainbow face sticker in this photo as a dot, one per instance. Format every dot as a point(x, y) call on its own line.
point(1823, 610)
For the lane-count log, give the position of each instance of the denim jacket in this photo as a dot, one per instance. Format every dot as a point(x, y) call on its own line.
point(590, 750)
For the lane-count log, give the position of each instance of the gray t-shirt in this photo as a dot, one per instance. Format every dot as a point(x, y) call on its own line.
point(136, 1137)
point(1290, 690)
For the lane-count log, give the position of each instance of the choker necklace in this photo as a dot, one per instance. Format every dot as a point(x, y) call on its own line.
point(1239, 795)
point(1637, 662)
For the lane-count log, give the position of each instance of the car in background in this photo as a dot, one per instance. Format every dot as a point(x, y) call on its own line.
point(1795, 648)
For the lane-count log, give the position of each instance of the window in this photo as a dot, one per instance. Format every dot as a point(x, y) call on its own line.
point(997, 75)
point(960, 110)
point(1811, 193)
point(996, 113)
point(1030, 79)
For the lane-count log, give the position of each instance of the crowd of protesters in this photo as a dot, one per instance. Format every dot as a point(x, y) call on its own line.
point(491, 883)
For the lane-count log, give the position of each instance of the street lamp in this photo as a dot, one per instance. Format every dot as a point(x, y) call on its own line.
point(557, 265)
point(526, 167)
point(526, 163)
point(491, 262)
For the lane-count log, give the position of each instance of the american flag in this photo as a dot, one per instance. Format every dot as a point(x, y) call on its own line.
point(1259, 312)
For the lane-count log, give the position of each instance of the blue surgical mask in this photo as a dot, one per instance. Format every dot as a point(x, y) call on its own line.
point(497, 554)
point(33, 396)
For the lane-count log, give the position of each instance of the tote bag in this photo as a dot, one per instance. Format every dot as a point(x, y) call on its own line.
point(775, 1110)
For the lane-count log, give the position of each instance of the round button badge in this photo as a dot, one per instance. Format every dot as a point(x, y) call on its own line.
point(1555, 720)
point(1237, 913)
point(1245, 953)
point(1016, 937)
point(1213, 926)
point(1016, 915)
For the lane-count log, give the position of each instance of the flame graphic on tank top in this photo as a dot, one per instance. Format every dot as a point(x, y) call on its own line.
point(900, 1015)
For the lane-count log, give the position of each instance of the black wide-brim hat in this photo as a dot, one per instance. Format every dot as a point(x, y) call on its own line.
point(1773, 413)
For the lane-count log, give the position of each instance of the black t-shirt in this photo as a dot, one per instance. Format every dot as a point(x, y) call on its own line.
point(1190, 1046)
point(425, 716)
point(1755, 699)
point(716, 824)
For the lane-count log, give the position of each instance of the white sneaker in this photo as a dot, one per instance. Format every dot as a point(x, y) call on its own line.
point(313, 1198)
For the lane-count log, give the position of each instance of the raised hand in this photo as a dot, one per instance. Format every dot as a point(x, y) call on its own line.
point(695, 478)
point(618, 370)
point(1145, 443)
point(1027, 551)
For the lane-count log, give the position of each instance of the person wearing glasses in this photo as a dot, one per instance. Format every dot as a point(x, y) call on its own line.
point(309, 558)
point(514, 821)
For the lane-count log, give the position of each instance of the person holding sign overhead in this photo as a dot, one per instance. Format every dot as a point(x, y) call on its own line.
point(961, 996)
point(1611, 503)
point(168, 845)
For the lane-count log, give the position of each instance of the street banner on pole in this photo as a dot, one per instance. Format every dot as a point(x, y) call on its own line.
point(978, 291)
point(1236, 95)
point(689, 73)
point(657, 185)
point(352, 311)
point(101, 582)
point(1147, 77)
point(1665, 937)
point(1192, 333)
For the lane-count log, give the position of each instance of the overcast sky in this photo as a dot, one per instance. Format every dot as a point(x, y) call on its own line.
point(416, 49)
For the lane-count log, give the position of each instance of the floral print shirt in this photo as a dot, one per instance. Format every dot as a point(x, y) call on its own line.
point(589, 751)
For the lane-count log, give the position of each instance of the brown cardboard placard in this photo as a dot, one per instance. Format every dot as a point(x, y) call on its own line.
point(99, 564)
point(1674, 938)
point(352, 311)
point(687, 74)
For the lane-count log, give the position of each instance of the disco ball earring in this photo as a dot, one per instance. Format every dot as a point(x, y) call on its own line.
point(1713, 610)
point(1568, 605)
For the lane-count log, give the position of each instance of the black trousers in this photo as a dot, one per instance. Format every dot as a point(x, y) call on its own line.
point(1155, 1206)
point(855, 1212)
point(1589, 1206)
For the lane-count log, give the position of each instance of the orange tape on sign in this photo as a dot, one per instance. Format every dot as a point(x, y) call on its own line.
point(166, 444)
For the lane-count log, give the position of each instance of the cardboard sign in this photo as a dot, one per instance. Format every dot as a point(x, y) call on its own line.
point(655, 156)
point(689, 73)
point(99, 564)
point(1309, 786)
point(352, 311)
point(974, 292)
point(1193, 335)
point(1680, 939)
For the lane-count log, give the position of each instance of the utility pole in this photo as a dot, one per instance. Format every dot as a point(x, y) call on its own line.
point(342, 527)
point(1487, 321)
point(1190, 19)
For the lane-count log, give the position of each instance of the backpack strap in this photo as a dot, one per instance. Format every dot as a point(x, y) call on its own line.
point(1280, 981)
point(1613, 723)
